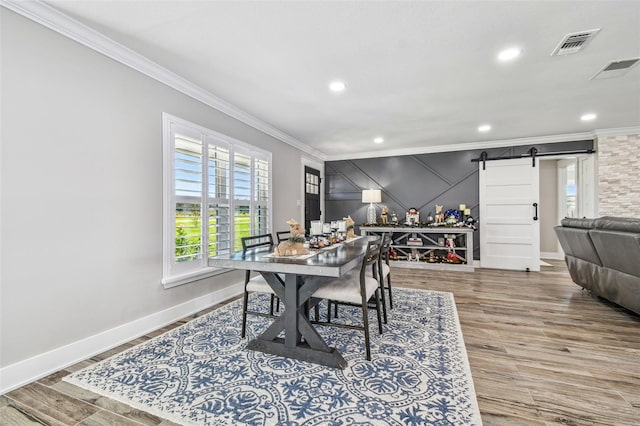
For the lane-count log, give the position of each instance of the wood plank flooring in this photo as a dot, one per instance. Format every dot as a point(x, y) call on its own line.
point(542, 352)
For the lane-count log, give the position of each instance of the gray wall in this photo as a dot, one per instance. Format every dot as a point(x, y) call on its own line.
point(548, 205)
point(81, 182)
point(420, 181)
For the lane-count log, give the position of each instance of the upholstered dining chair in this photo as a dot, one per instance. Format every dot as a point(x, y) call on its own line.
point(384, 271)
point(256, 284)
point(356, 288)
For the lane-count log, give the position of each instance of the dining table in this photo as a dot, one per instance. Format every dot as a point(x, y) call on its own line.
point(292, 334)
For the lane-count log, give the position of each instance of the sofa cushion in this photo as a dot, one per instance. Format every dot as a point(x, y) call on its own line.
point(573, 222)
point(622, 224)
point(576, 242)
point(618, 250)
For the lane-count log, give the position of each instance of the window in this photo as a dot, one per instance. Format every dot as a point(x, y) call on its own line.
point(216, 191)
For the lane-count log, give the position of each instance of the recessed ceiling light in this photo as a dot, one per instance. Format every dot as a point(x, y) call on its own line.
point(378, 139)
point(588, 117)
point(484, 128)
point(337, 86)
point(509, 54)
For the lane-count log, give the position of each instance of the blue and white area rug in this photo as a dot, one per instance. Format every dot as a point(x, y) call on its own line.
point(201, 373)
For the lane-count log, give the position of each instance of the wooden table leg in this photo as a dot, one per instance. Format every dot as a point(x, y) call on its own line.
point(297, 326)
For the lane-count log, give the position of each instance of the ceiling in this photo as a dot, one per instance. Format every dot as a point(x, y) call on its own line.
point(422, 75)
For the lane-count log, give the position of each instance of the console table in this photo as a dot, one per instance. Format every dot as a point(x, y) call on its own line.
point(433, 240)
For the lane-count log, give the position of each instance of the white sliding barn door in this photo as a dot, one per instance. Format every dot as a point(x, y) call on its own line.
point(509, 227)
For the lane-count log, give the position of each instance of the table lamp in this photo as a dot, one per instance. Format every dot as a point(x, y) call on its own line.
point(371, 196)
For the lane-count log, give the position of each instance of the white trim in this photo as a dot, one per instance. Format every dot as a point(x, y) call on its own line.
point(175, 274)
point(587, 186)
point(619, 131)
point(29, 370)
point(466, 146)
point(200, 274)
point(569, 137)
point(167, 202)
point(57, 21)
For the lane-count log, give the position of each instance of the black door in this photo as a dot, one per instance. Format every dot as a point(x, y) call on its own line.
point(311, 196)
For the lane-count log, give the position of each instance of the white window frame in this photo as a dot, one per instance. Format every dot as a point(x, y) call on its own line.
point(175, 274)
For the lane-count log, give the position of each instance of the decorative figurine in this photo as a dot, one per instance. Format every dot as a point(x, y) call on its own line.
point(394, 218)
point(451, 221)
point(429, 219)
point(393, 255)
point(439, 215)
point(349, 223)
point(414, 256)
point(384, 214)
point(294, 246)
point(412, 217)
point(451, 248)
point(452, 213)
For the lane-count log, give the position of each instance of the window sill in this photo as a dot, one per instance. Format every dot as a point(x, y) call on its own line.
point(176, 280)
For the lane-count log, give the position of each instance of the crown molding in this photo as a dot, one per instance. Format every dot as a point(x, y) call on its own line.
point(469, 146)
point(57, 21)
point(619, 131)
point(569, 137)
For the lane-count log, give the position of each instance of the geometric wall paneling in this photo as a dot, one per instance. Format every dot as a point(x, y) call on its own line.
point(420, 181)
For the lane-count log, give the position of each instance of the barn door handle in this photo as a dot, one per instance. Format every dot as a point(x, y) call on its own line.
point(535, 206)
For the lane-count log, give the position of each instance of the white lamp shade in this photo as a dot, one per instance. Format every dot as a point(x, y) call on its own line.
point(371, 196)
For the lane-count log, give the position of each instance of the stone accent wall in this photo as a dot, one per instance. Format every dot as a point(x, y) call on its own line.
point(619, 176)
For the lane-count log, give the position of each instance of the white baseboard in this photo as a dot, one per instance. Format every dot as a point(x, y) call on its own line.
point(552, 255)
point(31, 369)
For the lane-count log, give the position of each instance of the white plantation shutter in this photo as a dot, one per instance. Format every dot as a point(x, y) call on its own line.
point(219, 181)
point(241, 197)
point(261, 196)
point(216, 191)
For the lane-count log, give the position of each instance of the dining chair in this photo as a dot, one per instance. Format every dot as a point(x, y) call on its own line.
point(356, 288)
point(282, 236)
point(256, 284)
point(384, 271)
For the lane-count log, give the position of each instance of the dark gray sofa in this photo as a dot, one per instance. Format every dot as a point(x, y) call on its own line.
point(603, 255)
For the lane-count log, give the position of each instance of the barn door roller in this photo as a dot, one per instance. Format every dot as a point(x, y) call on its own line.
point(532, 152)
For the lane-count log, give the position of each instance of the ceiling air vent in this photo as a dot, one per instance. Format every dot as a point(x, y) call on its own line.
point(574, 42)
point(616, 68)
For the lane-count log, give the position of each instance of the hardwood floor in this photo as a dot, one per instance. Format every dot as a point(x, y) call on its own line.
point(542, 351)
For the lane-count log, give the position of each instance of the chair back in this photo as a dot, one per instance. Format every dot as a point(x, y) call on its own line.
point(283, 236)
point(371, 258)
point(256, 241)
point(385, 248)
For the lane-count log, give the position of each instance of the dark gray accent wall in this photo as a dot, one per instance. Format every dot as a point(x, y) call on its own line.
point(420, 181)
